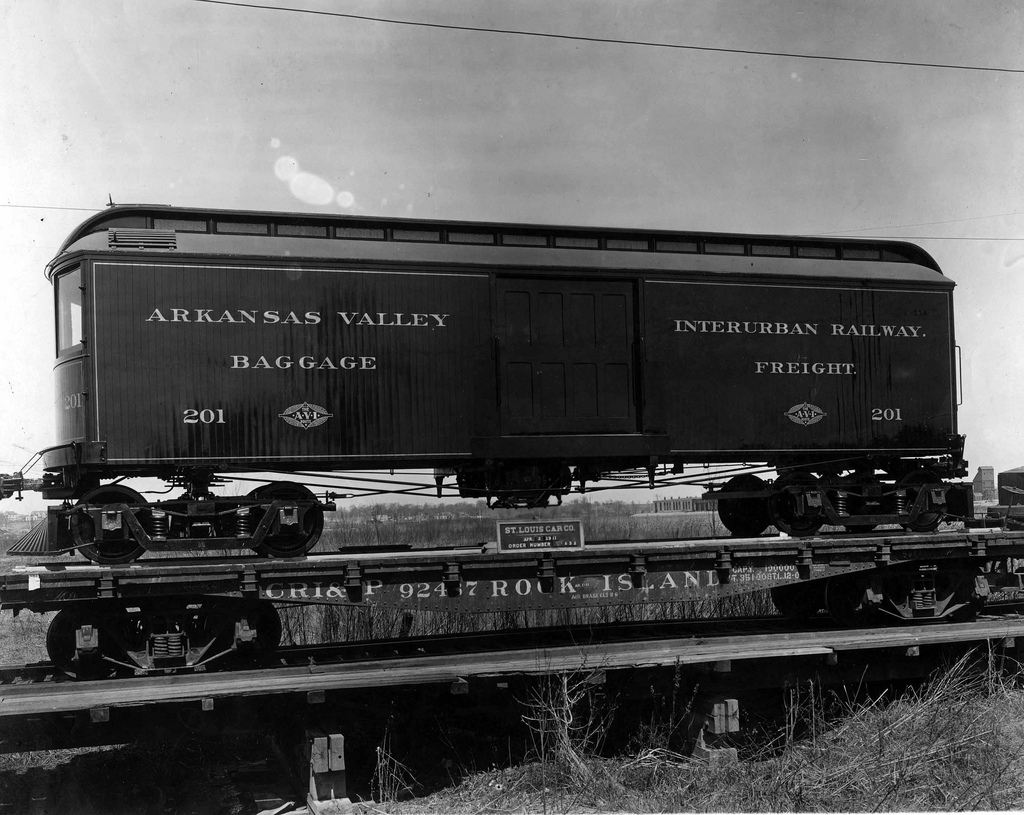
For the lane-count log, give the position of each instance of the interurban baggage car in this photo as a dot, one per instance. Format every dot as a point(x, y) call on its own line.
point(520, 362)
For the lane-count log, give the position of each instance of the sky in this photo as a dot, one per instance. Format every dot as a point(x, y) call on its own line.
point(846, 117)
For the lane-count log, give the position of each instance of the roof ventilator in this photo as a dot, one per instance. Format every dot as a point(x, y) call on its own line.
point(141, 239)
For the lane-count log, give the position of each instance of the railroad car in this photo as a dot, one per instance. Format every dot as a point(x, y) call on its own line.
point(518, 362)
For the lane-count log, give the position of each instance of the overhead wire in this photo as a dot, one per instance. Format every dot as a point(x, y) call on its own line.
point(610, 40)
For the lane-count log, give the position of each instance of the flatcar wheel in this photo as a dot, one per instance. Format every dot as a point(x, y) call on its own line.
point(799, 602)
point(912, 482)
point(215, 628)
point(744, 517)
point(300, 541)
point(263, 615)
point(783, 505)
point(845, 601)
point(61, 646)
point(107, 550)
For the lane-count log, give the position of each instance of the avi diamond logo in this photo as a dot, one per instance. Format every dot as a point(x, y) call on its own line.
point(305, 415)
point(806, 414)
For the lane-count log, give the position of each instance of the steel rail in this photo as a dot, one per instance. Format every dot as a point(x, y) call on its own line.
point(474, 641)
point(58, 697)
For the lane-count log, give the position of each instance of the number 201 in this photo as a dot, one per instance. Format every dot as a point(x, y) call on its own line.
point(886, 415)
point(207, 416)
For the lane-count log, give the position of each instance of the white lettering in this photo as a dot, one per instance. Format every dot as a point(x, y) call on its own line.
point(308, 363)
point(335, 591)
point(397, 319)
point(745, 327)
point(873, 330)
point(206, 315)
point(800, 368)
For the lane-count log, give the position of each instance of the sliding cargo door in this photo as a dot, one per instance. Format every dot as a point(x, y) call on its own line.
point(565, 356)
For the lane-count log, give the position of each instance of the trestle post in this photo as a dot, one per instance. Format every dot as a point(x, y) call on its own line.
point(725, 717)
point(324, 755)
point(314, 757)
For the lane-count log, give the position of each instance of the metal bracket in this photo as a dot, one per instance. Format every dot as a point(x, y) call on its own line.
point(723, 565)
point(106, 586)
point(805, 562)
point(87, 641)
point(249, 580)
point(637, 570)
point(546, 573)
point(452, 579)
point(354, 582)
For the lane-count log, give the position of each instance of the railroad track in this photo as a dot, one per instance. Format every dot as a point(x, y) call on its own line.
point(692, 635)
point(315, 679)
point(467, 643)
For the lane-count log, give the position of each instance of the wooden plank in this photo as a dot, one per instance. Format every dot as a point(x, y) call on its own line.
point(444, 669)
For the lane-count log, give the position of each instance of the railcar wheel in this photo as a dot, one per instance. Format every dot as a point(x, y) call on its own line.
point(290, 543)
point(845, 601)
point(912, 482)
point(62, 645)
point(214, 630)
point(784, 507)
point(108, 550)
point(744, 517)
point(267, 622)
point(799, 602)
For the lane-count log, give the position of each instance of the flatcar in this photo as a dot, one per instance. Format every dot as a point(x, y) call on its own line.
point(521, 361)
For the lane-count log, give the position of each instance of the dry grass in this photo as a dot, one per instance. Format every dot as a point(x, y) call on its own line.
point(957, 744)
point(309, 625)
point(191, 775)
point(23, 638)
point(406, 525)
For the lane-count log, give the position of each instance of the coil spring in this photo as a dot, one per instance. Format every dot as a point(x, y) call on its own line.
point(245, 523)
point(902, 502)
point(160, 524)
point(842, 503)
point(168, 645)
point(923, 595)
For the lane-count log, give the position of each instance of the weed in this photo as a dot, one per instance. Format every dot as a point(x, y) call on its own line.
point(392, 780)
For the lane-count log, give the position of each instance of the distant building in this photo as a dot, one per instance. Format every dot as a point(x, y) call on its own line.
point(683, 505)
point(1011, 478)
point(985, 484)
point(19, 523)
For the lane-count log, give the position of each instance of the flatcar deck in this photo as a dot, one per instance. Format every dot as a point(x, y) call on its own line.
point(480, 578)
